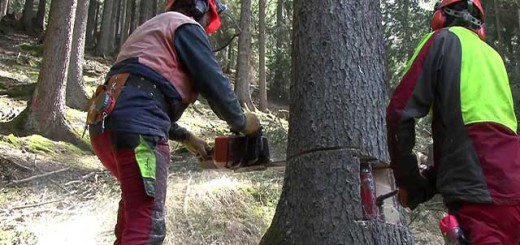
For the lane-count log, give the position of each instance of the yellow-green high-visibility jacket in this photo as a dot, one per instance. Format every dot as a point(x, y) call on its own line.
point(463, 81)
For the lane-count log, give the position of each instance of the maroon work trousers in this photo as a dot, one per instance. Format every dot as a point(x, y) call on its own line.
point(140, 218)
point(488, 224)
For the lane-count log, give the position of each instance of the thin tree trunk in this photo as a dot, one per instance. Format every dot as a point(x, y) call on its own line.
point(3, 8)
point(261, 54)
point(91, 23)
point(155, 10)
point(277, 85)
point(128, 20)
point(76, 96)
point(40, 15)
point(230, 58)
point(498, 27)
point(135, 15)
point(45, 113)
point(338, 96)
point(146, 11)
point(104, 44)
point(27, 15)
point(242, 83)
point(113, 26)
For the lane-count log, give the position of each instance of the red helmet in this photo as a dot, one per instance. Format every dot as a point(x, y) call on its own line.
point(215, 8)
point(442, 9)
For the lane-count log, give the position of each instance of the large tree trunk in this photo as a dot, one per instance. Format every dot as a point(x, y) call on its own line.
point(40, 15)
point(261, 55)
point(45, 113)
point(76, 96)
point(337, 121)
point(242, 83)
point(91, 23)
point(103, 44)
point(27, 15)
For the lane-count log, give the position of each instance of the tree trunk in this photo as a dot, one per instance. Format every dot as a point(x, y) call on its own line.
point(135, 15)
point(497, 23)
point(261, 54)
point(128, 19)
point(146, 10)
point(27, 15)
point(338, 96)
point(40, 15)
point(230, 58)
point(3, 8)
point(91, 23)
point(76, 96)
point(242, 84)
point(155, 7)
point(103, 44)
point(278, 83)
point(113, 25)
point(45, 113)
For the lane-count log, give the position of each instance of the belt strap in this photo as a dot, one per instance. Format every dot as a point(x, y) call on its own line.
point(150, 88)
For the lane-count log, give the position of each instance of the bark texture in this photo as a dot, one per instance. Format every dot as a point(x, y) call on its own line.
point(242, 86)
point(104, 40)
point(338, 96)
point(40, 15)
point(76, 96)
point(261, 53)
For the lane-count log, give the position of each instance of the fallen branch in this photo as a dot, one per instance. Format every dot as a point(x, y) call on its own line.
point(17, 182)
point(84, 177)
point(37, 204)
point(22, 167)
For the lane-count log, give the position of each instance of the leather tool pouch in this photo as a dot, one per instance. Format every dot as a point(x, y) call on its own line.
point(104, 99)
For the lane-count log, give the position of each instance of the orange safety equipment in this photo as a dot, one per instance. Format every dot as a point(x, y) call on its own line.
point(201, 7)
point(442, 9)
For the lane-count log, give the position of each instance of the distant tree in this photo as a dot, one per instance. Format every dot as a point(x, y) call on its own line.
point(45, 113)
point(338, 96)
point(91, 22)
point(3, 8)
point(104, 42)
point(39, 21)
point(261, 55)
point(27, 15)
point(146, 10)
point(76, 96)
point(243, 82)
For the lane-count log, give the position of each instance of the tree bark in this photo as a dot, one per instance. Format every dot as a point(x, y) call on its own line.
point(338, 96)
point(40, 15)
point(242, 83)
point(128, 19)
point(146, 10)
point(261, 55)
point(3, 8)
point(135, 16)
point(155, 10)
point(497, 23)
point(27, 15)
point(103, 44)
point(92, 22)
point(113, 25)
point(45, 113)
point(76, 96)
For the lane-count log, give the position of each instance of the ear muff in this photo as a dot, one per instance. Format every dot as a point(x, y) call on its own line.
point(439, 18)
point(200, 7)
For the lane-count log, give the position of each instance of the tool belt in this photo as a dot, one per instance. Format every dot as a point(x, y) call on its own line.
point(104, 99)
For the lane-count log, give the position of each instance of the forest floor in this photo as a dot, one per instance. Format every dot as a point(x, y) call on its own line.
point(54, 193)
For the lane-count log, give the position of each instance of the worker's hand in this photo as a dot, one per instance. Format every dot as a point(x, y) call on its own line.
point(252, 124)
point(196, 146)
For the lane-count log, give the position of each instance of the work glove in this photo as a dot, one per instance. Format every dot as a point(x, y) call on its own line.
point(252, 124)
point(420, 193)
point(196, 145)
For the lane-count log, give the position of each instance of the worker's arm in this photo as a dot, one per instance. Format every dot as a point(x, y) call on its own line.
point(412, 99)
point(194, 52)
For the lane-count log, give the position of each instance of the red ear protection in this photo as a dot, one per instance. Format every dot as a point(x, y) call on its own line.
point(438, 20)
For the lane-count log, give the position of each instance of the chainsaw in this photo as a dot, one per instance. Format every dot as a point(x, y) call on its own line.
point(240, 153)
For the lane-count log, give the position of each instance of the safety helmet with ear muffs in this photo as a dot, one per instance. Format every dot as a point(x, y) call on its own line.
point(201, 7)
point(442, 10)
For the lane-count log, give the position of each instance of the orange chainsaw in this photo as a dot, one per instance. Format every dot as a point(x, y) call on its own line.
point(240, 153)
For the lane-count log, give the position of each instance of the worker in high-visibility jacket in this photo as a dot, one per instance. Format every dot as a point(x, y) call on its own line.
point(457, 76)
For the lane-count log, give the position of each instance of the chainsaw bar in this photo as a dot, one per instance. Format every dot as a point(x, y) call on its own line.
point(261, 167)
